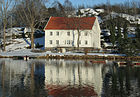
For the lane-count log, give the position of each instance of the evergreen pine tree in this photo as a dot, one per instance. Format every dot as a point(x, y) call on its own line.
point(127, 46)
point(112, 32)
point(119, 34)
point(137, 37)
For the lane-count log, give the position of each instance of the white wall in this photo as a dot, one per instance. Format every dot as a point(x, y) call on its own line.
point(63, 38)
point(96, 40)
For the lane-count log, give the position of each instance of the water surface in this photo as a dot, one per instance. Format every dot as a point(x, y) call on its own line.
point(67, 78)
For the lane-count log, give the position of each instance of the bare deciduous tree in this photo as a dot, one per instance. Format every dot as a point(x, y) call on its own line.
point(68, 7)
point(31, 13)
point(77, 24)
point(4, 7)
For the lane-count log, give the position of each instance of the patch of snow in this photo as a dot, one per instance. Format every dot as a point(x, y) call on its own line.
point(27, 30)
point(100, 54)
point(108, 44)
point(100, 10)
point(21, 52)
point(27, 52)
point(130, 18)
point(16, 44)
point(88, 12)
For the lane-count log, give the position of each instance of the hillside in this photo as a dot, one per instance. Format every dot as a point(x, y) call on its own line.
point(18, 37)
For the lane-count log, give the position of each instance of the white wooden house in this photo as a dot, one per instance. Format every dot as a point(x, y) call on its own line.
point(63, 32)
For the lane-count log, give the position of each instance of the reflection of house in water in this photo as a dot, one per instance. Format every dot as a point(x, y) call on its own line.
point(73, 78)
point(60, 78)
point(0, 80)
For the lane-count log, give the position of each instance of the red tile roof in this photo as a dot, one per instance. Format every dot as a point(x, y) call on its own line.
point(64, 23)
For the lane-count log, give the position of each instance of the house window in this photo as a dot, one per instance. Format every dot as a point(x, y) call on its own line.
point(86, 34)
point(57, 33)
point(68, 42)
point(57, 42)
point(79, 41)
point(51, 33)
point(51, 42)
point(86, 42)
point(68, 33)
point(79, 33)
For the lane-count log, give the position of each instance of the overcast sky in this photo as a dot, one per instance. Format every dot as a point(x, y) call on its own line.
point(91, 2)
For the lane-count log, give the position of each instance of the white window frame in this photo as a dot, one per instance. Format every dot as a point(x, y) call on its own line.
point(79, 41)
point(86, 33)
point(86, 42)
point(51, 33)
point(57, 42)
point(79, 33)
point(68, 42)
point(57, 33)
point(50, 41)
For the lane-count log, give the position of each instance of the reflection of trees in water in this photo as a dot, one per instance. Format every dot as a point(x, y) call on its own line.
point(122, 82)
point(32, 87)
point(121, 79)
point(39, 80)
point(25, 84)
point(127, 80)
point(114, 82)
point(138, 75)
point(3, 79)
